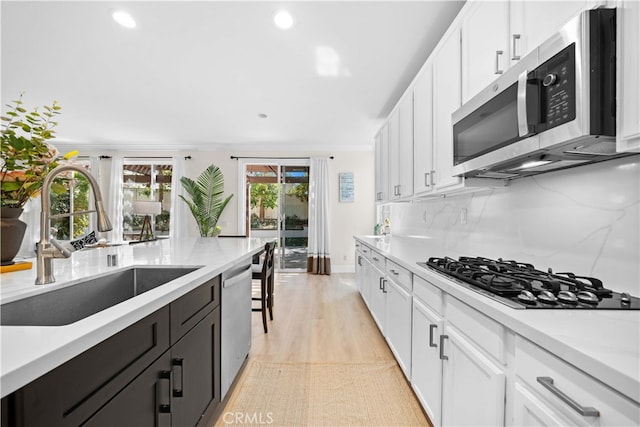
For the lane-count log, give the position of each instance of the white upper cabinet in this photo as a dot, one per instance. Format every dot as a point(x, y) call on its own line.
point(446, 100)
point(394, 154)
point(628, 130)
point(485, 47)
point(423, 132)
point(382, 164)
point(405, 162)
point(532, 22)
point(401, 149)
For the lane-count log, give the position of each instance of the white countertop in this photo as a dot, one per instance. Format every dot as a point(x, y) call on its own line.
point(603, 343)
point(28, 352)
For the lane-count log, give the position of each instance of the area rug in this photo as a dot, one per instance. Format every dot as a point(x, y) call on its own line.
point(323, 394)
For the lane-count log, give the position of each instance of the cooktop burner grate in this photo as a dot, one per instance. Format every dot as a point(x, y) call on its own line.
point(521, 285)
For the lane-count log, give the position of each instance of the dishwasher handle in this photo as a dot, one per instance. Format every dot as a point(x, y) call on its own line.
point(238, 278)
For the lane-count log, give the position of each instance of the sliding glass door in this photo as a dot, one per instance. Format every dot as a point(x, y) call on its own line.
point(276, 204)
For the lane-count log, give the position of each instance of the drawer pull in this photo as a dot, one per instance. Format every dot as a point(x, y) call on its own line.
point(442, 356)
point(431, 328)
point(395, 273)
point(376, 259)
point(585, 411)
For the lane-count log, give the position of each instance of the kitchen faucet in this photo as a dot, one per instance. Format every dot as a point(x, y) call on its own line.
point(48, 247)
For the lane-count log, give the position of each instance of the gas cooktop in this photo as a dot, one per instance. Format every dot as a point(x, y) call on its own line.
point(521, 285)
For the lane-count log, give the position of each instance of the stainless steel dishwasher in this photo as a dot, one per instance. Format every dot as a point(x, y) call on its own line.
point(235, 323)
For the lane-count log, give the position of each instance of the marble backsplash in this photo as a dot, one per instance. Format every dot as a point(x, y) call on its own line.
point(584, 220)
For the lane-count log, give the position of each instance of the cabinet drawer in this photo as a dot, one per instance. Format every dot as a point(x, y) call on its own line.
point(378, 261)
point(536, 366)
point(485, 332)
point(71, 393)
point(427, 293)
point(366, 251)
point(399, 275)
point(191, 308)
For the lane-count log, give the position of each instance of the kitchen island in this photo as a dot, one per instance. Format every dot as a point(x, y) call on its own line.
point(463, 351)
point(29, 352)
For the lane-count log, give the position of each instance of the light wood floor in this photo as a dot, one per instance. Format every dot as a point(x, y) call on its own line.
point(317, 319)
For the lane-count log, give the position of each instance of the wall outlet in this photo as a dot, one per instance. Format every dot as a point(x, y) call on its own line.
point(463, 216)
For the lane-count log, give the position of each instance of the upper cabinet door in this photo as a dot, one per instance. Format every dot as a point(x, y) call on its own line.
point(446, 100)
point(423, 131)
point(382, 164)
point(394, 154)
point(405, 164)
point(532, 22)
point(628, 81)
point(485, 53)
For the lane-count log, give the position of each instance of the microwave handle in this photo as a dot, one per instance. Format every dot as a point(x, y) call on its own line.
point(523, 126)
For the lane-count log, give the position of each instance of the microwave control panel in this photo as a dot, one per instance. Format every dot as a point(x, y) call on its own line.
point(556, 80)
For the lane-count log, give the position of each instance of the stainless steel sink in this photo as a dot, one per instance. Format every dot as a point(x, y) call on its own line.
point(72, 303)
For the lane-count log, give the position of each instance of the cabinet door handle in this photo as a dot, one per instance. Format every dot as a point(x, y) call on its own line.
point(399, 192)
point(514, 39)
point(384, 286)
point(164, 408)
point(426, 179)
point(498, 55)
point(442, 356)
point(433, 177)
point(432, 327)
point(179, 363)
point(585, 411)
point(359, 260)
point(380, 286)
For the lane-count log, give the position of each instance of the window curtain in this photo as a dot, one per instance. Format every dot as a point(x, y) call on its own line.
point(318, 260)
point(116, 200)
point(178, 221)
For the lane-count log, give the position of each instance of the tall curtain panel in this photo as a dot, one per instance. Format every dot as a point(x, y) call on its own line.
point(116, 194)
point(178, 224)
point(319, 261)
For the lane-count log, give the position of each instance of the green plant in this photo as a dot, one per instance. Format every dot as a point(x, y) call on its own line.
point(26, 156)
point(206, 200)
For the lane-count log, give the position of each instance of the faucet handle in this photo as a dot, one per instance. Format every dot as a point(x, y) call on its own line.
point(62, 250)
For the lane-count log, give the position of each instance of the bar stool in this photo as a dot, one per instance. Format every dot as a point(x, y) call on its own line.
point(264, 272)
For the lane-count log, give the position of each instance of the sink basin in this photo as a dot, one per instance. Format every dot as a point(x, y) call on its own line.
point(72, 303)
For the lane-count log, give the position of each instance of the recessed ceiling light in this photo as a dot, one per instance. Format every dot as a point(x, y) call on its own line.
point(262, 116)
point(124, 19)
point(283, 20)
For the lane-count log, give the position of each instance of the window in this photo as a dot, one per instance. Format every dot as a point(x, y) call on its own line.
point(144, 181)
point(78, 198)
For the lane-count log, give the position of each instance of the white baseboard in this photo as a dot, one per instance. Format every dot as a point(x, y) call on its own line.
point(343, 268)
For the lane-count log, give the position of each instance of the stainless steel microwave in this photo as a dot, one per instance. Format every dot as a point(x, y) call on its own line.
point(553, 109)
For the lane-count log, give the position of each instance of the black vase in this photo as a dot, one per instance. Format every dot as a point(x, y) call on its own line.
point(11, 234)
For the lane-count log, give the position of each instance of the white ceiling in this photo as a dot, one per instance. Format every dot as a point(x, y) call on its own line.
point(195, 75)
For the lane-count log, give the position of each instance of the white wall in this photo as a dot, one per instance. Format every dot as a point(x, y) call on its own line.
point(584, 220)
point(347, 219)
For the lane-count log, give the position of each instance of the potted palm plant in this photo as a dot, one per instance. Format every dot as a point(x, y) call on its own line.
point(206, 200)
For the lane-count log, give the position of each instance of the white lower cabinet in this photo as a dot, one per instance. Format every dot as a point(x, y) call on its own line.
point(378, 298)
point(426, 366)
point(550, 391)
point(462, 363)
point(531, 411)
point(398, 327)
point(473, 387)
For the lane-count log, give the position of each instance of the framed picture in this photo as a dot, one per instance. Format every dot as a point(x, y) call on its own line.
point(347, 187)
